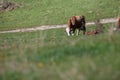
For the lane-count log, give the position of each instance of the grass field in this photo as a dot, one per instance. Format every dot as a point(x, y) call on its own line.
point(51, 55)
point(45, 12)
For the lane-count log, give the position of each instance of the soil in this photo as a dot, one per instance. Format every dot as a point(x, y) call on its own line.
point(8, 6)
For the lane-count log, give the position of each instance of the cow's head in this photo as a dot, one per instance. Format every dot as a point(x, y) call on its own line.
point(69, 31)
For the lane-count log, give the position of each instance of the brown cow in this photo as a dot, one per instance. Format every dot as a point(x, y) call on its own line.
point(76, 22)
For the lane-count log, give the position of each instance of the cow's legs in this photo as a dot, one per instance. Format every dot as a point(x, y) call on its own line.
point(68, 31)
point(72, 32)
point(84, 30)
point(78, 30)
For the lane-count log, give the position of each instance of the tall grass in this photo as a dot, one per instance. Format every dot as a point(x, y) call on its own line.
point(52, 55)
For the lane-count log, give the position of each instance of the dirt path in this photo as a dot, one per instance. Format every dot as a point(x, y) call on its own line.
point(103, 21)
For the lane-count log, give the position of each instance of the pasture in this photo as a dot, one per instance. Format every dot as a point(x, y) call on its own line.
point(52, 55)
point(45, 12)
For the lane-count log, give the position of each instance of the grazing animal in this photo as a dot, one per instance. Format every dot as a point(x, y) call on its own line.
point(76, 23)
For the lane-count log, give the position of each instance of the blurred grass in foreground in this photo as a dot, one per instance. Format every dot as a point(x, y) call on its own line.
point(52, 55)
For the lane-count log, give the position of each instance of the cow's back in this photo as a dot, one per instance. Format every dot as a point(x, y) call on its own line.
point(80, 18)
point(80, 22)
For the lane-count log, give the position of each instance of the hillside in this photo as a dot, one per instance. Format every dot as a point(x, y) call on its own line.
point(51, 54)
point(45, 12)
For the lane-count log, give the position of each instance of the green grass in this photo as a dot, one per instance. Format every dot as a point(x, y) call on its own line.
point(52, 55)
point(45, 12)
